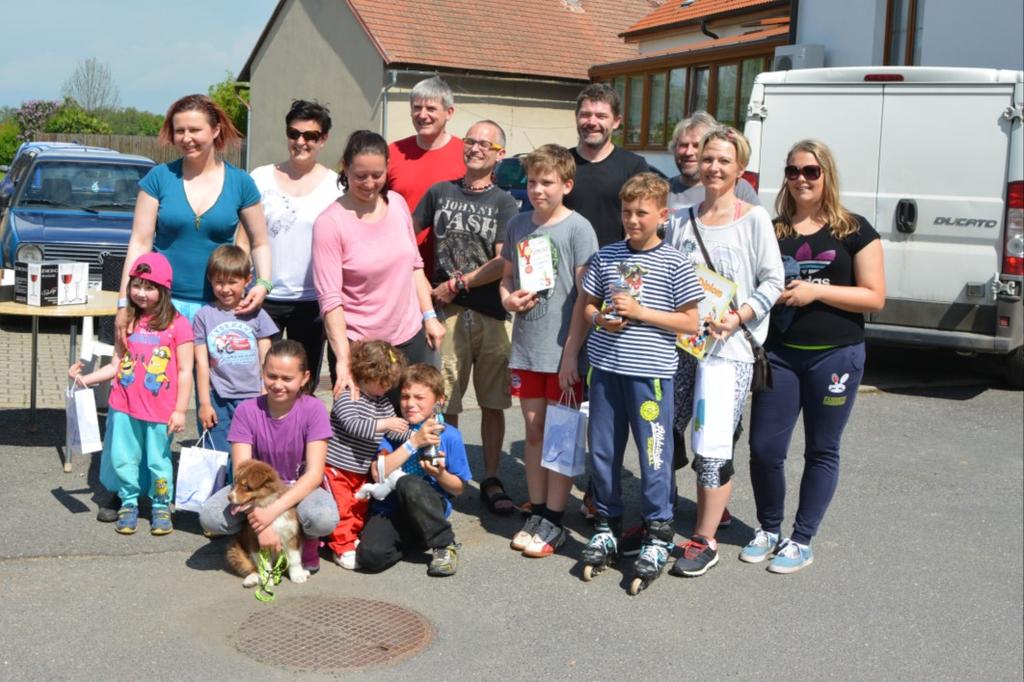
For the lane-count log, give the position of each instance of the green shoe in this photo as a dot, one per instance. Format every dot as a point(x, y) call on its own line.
point(445, 561)
point(161, 522)
point(127, 519)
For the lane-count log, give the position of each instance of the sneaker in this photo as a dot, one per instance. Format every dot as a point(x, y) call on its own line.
point(726, 519)
point(160, 523)
point(760, 548)
point(587, 506)
point(545, 541)
point(790, 557)
point(346, 560)
point(521, 539)
point(127, 519)
point(632, 540)
point(107, 513)
point(311, 554)
point(697, 558)
point(445, 561)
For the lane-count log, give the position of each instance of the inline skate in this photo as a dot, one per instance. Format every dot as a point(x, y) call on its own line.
point(603, 548)
point(654, 554)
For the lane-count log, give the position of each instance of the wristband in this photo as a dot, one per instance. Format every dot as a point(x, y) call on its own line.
point(451, 288)
point(737, 314)
point(429, 315)
point(410, 448)
point(593, 318)
point(122, 303)
point(265, 284)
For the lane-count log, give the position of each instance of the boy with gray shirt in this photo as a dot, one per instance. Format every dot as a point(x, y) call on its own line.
point(229, 347)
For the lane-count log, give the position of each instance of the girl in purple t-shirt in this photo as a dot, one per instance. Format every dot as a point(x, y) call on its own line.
point(288, 430)
point(148, 398)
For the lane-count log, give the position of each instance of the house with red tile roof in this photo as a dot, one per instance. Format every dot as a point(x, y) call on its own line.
point(519, 63)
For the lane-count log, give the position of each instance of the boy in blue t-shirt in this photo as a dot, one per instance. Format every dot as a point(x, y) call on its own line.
point(229, 347)
point(416, 513)
point(640, 294)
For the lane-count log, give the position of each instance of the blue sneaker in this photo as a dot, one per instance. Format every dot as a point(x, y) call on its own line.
point(791, 557)
point(760, 548)
point(161, 521)
point(127, 519)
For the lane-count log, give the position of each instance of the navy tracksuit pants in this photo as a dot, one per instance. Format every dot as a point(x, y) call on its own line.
point(822, 384)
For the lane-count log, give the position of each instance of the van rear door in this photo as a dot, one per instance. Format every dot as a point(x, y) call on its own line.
point(941, 178)
point(845, 116)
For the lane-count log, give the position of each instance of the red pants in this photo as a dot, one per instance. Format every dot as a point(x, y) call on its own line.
point(351, 511)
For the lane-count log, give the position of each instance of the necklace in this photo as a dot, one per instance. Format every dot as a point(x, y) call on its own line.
point(463, 185)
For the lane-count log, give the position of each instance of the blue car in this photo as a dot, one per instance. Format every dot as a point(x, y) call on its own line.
point(69, 203)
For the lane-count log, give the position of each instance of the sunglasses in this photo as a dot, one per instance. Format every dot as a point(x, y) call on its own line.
point(486, 145)
point(307, 135)
point(809, 172)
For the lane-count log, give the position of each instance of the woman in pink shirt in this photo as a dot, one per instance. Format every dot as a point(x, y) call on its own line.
point(366, 268)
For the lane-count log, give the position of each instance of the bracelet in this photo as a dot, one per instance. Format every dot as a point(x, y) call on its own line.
point(737, 314)
point(451, 288)
point(122, 303)
point(429, 315)
point(593, 318)
point(265, 284)
point(409, 447)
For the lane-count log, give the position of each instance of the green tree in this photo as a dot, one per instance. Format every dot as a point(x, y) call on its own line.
point(234, 101)
point(9, 141)
point(71, 118)
point(131, 121)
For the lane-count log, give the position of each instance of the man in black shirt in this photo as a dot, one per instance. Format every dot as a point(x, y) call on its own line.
point(601, 167)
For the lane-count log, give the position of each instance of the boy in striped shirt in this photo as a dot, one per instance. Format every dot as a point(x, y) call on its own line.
point(640, 293)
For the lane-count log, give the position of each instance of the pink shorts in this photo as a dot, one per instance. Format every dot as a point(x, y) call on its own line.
point(528, 384)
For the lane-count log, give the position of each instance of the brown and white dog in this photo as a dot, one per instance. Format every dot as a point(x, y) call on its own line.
point(258, 485)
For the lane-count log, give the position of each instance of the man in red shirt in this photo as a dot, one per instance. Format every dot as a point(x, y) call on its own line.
point(430, 156)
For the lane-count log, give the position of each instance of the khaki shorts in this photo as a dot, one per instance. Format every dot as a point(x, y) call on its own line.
point(481, 344)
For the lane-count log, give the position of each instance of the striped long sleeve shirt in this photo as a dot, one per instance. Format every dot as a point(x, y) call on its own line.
point(356, 440)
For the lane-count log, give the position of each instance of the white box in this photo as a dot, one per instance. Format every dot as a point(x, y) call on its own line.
point(51, 283)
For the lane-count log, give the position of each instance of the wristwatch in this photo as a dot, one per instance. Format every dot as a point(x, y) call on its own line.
point(460, 283)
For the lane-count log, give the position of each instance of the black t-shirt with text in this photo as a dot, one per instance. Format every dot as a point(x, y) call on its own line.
point(823, 259)
point(466, 227)
point(595, 194)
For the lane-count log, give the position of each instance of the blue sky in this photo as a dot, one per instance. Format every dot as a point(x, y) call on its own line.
point(157, 51)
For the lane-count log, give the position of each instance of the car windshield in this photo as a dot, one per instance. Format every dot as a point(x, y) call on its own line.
point(82, 186)
point(510, 174)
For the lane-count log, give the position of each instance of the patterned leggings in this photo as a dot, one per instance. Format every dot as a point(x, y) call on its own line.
point(711, 472)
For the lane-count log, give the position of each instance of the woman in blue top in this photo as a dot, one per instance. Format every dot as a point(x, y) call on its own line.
point(189, 207)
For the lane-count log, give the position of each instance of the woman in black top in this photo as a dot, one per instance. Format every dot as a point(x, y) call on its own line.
point(834, 274)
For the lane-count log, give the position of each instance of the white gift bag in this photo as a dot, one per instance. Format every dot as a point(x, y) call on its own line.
point(565, 440)
point(83, 426)
point(201, 473)
point(713, 404)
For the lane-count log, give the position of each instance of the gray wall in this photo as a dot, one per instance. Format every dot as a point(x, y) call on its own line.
point(316, 50)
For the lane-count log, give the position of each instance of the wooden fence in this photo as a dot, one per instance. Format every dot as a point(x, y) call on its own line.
point(137, 144)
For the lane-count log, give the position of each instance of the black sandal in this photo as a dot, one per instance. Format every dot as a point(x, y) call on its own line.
point(492, 500)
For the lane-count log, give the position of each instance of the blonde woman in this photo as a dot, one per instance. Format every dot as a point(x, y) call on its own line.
point(835, 274)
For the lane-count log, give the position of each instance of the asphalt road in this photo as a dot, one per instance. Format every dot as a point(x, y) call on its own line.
point(918, 573)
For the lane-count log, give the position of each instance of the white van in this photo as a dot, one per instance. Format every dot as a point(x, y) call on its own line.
point(934, 159)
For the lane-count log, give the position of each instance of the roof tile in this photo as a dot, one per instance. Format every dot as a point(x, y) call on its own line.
point(674, 11)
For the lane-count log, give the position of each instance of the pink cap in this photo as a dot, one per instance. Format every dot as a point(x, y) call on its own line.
point(153, 267)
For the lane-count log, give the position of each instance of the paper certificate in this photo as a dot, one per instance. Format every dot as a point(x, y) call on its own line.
point(536, 264)
point(718, 291)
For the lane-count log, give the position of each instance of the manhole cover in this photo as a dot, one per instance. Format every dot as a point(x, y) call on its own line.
point(329, 634)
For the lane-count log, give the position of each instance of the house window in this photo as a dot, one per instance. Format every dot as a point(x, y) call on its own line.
point(655, 101)
point(904, 23)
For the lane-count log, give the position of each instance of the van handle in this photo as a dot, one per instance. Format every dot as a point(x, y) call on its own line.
point(906, 216)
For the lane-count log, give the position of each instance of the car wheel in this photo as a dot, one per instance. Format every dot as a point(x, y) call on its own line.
point(1013, 365)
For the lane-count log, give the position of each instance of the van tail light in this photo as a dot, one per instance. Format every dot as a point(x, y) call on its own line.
point(1013, 244)
point(753, 178)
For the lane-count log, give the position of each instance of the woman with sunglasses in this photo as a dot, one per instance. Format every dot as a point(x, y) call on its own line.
point(294, 193)
point(736, 240)
point(834, 273)
point(366, 268)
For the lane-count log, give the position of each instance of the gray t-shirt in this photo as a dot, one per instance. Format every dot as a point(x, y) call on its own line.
point(232, 342)
point(466, 227)
point(538, 335)
point(680, 194)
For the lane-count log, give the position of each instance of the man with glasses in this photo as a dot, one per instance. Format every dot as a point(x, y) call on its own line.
point(469, 217)
point(431, 155)
point(686, 189)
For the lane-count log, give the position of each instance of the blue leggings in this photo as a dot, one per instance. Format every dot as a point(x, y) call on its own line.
point(822, 383)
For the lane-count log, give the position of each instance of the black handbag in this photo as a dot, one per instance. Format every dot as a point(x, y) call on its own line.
point(762, 379)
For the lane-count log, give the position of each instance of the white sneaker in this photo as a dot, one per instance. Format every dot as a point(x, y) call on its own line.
point(521, 539)
point(545, 541)
point(346, 560)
